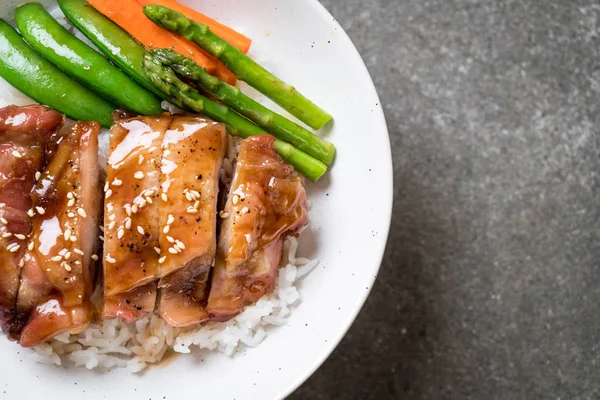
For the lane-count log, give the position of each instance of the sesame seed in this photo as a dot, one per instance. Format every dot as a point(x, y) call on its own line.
point(67, 234)
point(172, 250)
point(149, 192)
point(111, 225)
point(134, 208)
point(101, 228)
point(70, 195)
point(20, 236)
point(110, 259)
point(77, 251)
point(62, 252)
point(188, 196)
point(108, 193)
point(40, 210)
point(164, 197)
point(127, 209)
point(166, 229)
point(109, 207)
point(67, 255)
point(30, 246)
point(170, 239)
point(101, 237)
point(38, 175)
point(73, 238)
point(140, 159)
point(191, 210)
point(170, 219)
point(162, 259)
point(106, 186)
point(245, 210)
point(157, 250)
point(3, 220)
point(138, 175)
point(149, 200)
point(117, 182)
point(141, 203)
point(94, 257)
point(81, 212)
point(6, 234)
point(151, 149)
point(71, 203)
point(128, 223)
point(67, 267)
point(140, 230)
point(71, 214)
point(180, 244)
point(224, 215)
point(235, 199)
point(197, 204)
point(15, 248)
point(195, 194)
point(120, 233)
point(16, 154)
point(56, 258)
point(30, 212)
point(22, 262)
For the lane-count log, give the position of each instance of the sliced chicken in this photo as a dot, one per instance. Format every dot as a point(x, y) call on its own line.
point(193, 151)
point(265, 204)
point(131, 216)
point(25, 132)
point(58, 274)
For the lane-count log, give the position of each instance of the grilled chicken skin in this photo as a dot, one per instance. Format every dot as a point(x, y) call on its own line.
point(265, 204)
point(25, 134)
point(193, 151)
point(131, 216)
point(58, 269)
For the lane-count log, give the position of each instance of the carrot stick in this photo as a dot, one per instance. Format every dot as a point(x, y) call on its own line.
point(128, 14)
point(226, 33)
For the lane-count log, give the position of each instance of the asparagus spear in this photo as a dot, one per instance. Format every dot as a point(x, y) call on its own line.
point(241, 65)
point(278, 125)
point(165, 79)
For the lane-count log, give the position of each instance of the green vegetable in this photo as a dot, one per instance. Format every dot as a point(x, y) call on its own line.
point(79, 60)
point(241, 65)
point(33, 75)
point(274, 123)
point(120, 48)
point(165, 79)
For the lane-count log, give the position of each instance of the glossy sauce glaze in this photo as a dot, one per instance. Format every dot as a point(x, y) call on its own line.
point(193, 151)
point(58, 274)
point(131, 216)
point(265, 204)
point(25, 134)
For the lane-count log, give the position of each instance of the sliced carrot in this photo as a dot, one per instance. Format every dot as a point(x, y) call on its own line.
point(129, 15)
point(226, 33)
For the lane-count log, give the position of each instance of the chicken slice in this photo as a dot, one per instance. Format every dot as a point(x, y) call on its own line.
point(58, 264)
point(24, 134)
point(265, 203)
point(52, 318)
point(131, 216)
point(193, 151)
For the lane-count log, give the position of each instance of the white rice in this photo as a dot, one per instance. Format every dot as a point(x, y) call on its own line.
point(114, 344)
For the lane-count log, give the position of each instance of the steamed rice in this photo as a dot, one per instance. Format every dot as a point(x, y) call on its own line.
point(114, 344)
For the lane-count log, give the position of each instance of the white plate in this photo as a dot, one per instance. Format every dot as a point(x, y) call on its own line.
point(350, 218)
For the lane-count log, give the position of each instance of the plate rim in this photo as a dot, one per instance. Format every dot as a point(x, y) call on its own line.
point(380, 251)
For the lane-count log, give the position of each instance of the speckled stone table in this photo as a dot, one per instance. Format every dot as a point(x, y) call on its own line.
point(490, 287)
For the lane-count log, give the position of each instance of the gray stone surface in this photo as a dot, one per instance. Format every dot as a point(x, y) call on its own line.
point(490, 287)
